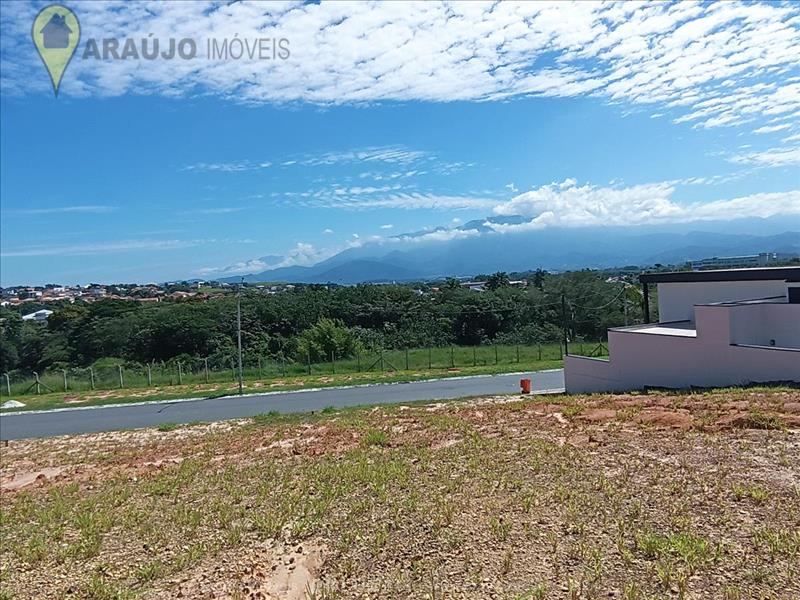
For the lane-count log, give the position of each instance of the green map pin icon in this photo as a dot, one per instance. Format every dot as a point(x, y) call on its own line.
point(56, 33)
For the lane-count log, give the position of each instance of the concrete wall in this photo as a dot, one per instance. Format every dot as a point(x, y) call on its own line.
point(761, 324)
point(710, 360)
point(676, 301)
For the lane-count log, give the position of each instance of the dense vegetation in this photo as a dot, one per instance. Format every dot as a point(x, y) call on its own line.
point(314, 320)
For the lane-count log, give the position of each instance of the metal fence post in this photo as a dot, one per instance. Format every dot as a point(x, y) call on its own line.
point(38, 383)
point(406, 359)
point(539, 345)
point(180, 374)
point(121, 381)
point(333, 361)
point(381, 359)
point(283, 365)
point(149, 376)
point(91, 377)
point(430, 358)
point(205, 368)
point(517, 352)
point(65, 380)
point(308, 359)
point(8, 383)
point(358, 361)
point(496, 361)
point(260, 370)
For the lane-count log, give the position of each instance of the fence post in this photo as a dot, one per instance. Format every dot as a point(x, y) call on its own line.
point(358, 361)
point(180, 374)
point(283, 365)
point(260, 370)
point(539, 345)
point(205, 368)
point(149, 376)
point(8, 383)
point(38, 384)
point(581, 347)
point(381, 359)
point(406, 359)
point(91, 377)
point(517, 352)
point(308, 361)
point(452, 357)
point(121, 380)
point(333, 361)
point(430, 361)
point(474, 356)
point(495, 355)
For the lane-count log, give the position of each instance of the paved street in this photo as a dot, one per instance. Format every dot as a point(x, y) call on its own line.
point(87, 420)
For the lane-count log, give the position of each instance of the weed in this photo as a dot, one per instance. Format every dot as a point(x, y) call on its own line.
point(165, 427)
point(375, 437)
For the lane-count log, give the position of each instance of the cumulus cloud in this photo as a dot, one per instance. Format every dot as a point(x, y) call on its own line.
point(387, 226)
point(713, 65)
point(568, 204)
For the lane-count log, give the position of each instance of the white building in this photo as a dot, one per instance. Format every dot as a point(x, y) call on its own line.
point(39, 315)
point(716, 328)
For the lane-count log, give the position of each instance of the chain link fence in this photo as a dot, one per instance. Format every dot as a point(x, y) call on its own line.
point(199, 371)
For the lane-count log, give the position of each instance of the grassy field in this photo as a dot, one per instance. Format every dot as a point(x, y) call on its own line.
point(627, 496)
point(275, 376)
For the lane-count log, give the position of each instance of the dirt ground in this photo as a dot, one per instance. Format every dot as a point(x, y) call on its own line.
point(623, 496)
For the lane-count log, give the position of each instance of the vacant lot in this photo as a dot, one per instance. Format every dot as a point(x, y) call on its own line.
point(652, 496)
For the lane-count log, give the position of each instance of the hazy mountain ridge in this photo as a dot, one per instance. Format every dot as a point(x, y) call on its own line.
point(410, 257)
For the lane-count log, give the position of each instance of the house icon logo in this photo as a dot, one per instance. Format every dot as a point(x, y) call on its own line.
point(56, 33)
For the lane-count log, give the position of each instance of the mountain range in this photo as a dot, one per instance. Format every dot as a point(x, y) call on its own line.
point(415, 256)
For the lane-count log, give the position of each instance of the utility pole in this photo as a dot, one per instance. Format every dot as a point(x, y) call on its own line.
point(239, 332)
point(564, 324)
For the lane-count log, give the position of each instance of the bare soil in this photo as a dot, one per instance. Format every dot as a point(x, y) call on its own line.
point(620, 496)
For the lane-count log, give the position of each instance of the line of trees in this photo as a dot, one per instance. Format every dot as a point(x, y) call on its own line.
point(317, 320)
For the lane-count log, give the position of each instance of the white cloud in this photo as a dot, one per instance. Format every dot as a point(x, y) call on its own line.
point(568, 204)
point(387, 226)
point(85, 209)
point(772, 128)
point(774, 157)
point(713, 65)
point(327, 231)
point(100, 248)
point(222, 210)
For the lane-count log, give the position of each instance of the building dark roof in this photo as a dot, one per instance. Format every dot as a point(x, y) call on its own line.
point(758, 274)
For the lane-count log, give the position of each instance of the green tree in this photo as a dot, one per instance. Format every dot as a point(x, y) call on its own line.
point(328, 337)
point(497, 280)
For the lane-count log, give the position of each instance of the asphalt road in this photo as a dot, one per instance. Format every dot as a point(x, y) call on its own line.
point(149, 414)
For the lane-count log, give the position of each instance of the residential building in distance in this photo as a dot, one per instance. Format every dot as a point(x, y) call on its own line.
point(763, 259)
point(40, 316)
point(716, 328)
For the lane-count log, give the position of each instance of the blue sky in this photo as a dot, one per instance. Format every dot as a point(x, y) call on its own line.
point(582, 115)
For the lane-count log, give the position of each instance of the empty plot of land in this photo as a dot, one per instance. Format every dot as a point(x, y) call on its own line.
point(629, 496)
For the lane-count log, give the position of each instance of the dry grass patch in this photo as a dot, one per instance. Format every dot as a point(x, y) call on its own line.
point(634, 497)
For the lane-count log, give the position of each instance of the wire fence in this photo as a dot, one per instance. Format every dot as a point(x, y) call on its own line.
point(197, 371)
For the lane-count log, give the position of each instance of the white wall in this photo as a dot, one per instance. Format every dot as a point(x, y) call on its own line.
point(709, 360)
point(758, 324)
point(676, 301)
